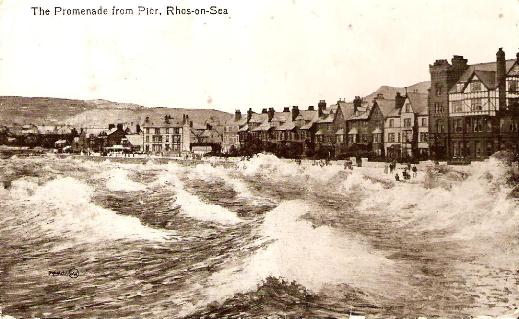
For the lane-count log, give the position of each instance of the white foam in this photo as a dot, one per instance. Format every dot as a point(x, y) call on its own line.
point(117, 181)
point(65, 206)
point(192, 206)
point(315, 257)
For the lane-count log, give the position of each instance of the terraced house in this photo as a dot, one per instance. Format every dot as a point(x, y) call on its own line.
point(406, 127)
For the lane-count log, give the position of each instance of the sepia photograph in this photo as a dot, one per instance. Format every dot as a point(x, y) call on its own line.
point(264, 159)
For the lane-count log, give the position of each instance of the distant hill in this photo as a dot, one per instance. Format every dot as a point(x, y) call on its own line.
point(91, 113)
point(389, 92)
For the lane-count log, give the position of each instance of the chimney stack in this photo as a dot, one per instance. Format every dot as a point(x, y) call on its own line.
point(249, 114)
point(147, 119)
point(500, 77)
point(286, 109)
point(271, 113)
point(321, 107)
point(357, 103)
point(295, 112)
point(237, 115)
point(310, 108)
point(263, 111)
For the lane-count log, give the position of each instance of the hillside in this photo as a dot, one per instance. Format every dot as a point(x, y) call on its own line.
point(389, 92)
point(91, 113)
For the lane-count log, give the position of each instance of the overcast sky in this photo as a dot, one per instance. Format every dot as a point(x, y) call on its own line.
point(264, 53)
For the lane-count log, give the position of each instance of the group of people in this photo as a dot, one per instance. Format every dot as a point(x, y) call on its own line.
point(406, 174)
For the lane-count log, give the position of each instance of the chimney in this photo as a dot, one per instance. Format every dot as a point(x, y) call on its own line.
point(237, 115)
point(263, 111)
point(459, 63)
point(321, 107)
point(119, 127)
point(249, 114)
point(271, 113)
point(517, 57)
point(500, 77)
point(111, 126)
point(295, 112)
point(147, 119)
point(286, 109)
point(399, 100)
point(166, 119)
point(357, 103)
point(190, 123)
point(311, 108)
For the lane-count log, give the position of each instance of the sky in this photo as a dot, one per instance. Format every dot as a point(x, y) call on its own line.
point(268, 53)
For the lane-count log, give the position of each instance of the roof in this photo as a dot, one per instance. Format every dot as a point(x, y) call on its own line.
point(339, 132)
point(240, 122)
point(488, 78)
point(60, 142)
point(244, 128)
point(134, 139)
point(326, 119)
point(386, 106)
point(377, 131)
point(319, 132)
point(307, 126)
point(265, 126)
point(489, 66)
point(282, 116)
point(419, 103)
point(158, 121)
point(258, 118)
point(353, 131)
point(287, 126)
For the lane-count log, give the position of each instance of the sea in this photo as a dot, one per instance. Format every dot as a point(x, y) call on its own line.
point(258, 238)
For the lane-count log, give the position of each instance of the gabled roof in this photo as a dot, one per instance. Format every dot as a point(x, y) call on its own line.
point(489, 66)
point(339, 132)
point(326, 119)
point(244, 128)
point(418, 102)
point(386, 106)
point(353, 131)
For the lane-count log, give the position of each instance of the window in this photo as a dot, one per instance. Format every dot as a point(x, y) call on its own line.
point(423, 137)
point(489, 125)
point(167, 138)
point(391, 123)
point(147, 130)
point(157, 131)
point(478, 149)
point(176, 130)
point(167, 130)
point(398, 137)
point(438, 107)
point(456, 106)
point(475, 105)
point(407, 122)
point(424, 121)
point(475, 86)
point(456, 150)
point(512, 86)
point(147, 139)
point(489, 149)
point(407, 108)
point(458, 125)
point(439, 89)
point(439, 126)
point(391, 137)
point(478, 125)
